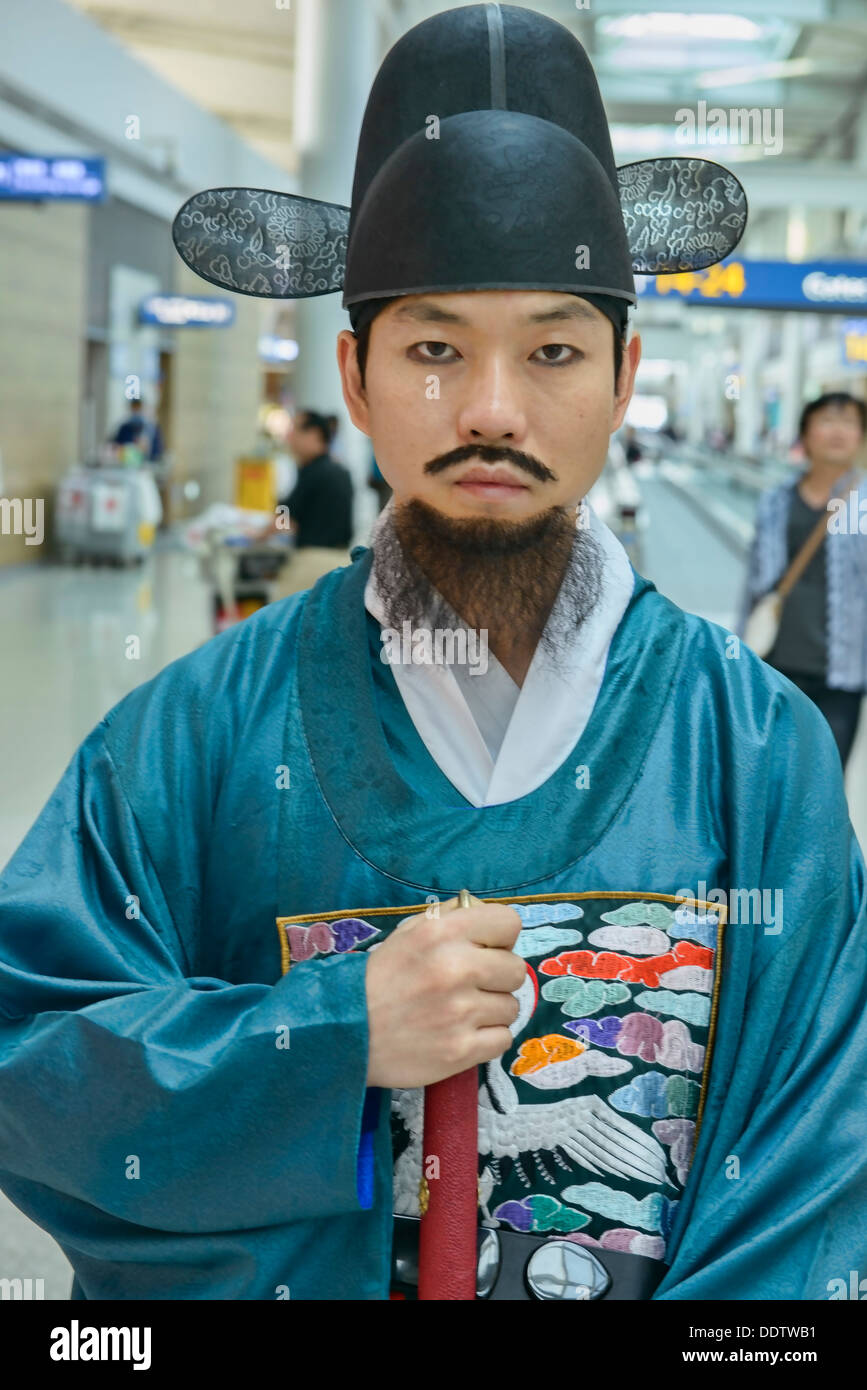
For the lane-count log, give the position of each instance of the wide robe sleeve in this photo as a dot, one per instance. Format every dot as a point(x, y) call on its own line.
point(775, 1206)
point(177, 1103)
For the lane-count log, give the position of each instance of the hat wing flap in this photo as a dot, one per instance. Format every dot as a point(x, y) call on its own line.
point(269, 245)
point(680, 215)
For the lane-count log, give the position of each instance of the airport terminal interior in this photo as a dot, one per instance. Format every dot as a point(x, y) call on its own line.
point(150, 422)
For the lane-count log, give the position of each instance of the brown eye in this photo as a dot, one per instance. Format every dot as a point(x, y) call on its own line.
point(559, 348)
point(434, 350)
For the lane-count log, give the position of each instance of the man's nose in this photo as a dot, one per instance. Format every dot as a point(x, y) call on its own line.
point(492, 409)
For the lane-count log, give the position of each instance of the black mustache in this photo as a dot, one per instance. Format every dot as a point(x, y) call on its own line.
point(493, 453)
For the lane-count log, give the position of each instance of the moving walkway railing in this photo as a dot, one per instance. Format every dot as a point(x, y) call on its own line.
point(746, 473)
point(723, 486)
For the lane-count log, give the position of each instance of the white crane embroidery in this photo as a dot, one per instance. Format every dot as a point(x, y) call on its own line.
point(583, 1128)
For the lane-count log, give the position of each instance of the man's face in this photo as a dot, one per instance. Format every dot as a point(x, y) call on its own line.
point(833, 435)
point(489, 403)
point(305, 441)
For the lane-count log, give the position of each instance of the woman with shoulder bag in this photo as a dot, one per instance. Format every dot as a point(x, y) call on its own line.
point(805, 606)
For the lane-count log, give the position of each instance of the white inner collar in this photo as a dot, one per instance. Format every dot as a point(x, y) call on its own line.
point(496, 741)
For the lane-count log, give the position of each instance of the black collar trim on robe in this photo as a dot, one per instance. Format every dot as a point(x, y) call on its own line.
point(433, 847)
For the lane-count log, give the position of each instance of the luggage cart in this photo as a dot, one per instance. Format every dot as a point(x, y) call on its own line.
point(106, 515)
point(241, 573)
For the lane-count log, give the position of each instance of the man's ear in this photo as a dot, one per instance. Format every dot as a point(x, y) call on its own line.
point(350, 379)
point(626, 382)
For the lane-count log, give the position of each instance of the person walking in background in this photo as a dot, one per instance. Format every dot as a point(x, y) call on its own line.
point(145, 434)
point(631, 446)
point(821, 641)
point(319, 506)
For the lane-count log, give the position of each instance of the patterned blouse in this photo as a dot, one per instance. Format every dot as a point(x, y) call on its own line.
point(845, 550)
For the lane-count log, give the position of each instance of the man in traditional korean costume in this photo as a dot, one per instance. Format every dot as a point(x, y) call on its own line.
point(225, 942)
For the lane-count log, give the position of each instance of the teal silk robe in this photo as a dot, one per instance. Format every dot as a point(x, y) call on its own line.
point(190, 1123)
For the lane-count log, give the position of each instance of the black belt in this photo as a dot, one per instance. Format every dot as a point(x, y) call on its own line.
point(517, 1266)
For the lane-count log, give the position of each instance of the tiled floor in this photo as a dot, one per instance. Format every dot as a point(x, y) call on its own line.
point(63, 644)
point(63, 638)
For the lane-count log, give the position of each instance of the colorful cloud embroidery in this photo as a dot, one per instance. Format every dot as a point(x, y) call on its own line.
point(538, 941)
point(701, 926)
point(542, 1052)
point(602, 1032)
point(554, 1061)
point(540, 1213)
point(692, 1008)
point(688, 977)
point(638, 941)
point(645, 1095)
point(611, 965)
point(653, 1213)
point(544, 914)
point(640, 915)
point(683, 1096)
point(657, 1095)
point(668, 1044)
point(321, 938)
point(680, 1135)
point(584, 996)
point(623, 1238)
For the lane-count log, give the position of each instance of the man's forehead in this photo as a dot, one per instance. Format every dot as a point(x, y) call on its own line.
point(475, 306)
point(837, 408)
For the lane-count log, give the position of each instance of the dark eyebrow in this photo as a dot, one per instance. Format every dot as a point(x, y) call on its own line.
point(576, 310)
point(428, 313)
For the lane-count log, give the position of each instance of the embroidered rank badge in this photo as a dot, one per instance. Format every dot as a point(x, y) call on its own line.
point(588, 1122)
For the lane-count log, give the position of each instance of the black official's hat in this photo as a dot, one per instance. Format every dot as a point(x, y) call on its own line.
point(484, 162)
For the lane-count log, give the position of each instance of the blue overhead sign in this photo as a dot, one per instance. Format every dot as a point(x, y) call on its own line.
point(31, 178)
point(823, 286)
point(277, 349)
point(186, 311)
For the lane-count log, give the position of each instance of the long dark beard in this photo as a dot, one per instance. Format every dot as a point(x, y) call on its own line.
point(505, 577)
